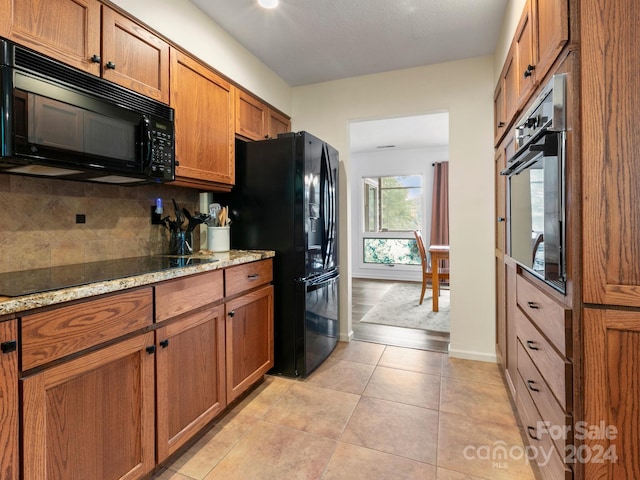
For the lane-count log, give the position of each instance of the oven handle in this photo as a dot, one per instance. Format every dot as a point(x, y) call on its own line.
point(548, 147)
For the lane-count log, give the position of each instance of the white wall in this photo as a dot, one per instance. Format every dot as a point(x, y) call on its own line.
point(185, 25)
point(465, 89)
point(387, 163)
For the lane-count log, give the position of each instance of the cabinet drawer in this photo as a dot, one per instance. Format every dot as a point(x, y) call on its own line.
point(175, 297)
point(54, 334)
point(550, 317)
point(245, 277)
point(550, 462)
point(549, 409)
point(555, 370)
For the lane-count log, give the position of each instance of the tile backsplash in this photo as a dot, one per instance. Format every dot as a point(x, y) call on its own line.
point(38, 221)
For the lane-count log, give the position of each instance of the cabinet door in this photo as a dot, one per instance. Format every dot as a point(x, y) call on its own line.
point(277, 124)
point(525, 55)
point(249, 339)
point(68, 30)
point(510, 87)
point(134, 57)
point(499, 113)
point(9, 401)
point(251, 116)
point(205, 143)
point(91, 417)
point(552, 20)
point(190, 377)
point(611, 392)
point(610, 160)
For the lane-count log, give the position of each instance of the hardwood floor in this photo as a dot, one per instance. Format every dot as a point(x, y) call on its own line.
point(365, 294)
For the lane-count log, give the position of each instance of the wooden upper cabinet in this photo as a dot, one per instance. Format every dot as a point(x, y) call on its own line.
point(255, 120)
point(525, 57)
point(610, 160)
point(134, 57)
point(205, 145)
point(93, 38)
point(277, 124)
point(68, 30)
point(251, 116)
point(505, 96)
point(552, 21)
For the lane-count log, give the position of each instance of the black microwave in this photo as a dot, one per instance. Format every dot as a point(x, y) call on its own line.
point(60, 122)
point(536, 231)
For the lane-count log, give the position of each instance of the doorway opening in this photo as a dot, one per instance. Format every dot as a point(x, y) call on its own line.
point(392, 164)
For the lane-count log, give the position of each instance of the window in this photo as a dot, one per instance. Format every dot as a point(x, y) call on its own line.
point(393, 208)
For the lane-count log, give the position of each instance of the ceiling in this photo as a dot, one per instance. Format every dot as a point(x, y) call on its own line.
point(311, 41)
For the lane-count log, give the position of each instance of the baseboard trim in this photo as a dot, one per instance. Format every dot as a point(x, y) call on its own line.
point(346, 338)
point(467, 355)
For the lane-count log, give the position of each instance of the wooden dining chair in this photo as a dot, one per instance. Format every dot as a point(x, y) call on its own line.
point(443, 273)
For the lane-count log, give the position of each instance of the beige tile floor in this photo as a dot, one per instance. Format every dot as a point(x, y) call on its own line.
point(369, 412)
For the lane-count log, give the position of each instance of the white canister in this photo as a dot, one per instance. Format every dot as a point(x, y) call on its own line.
point(218, 239)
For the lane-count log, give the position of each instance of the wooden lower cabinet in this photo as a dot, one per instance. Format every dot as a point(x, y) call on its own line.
point(92, 417)
point(611, 393)
point(9, 401)
point(249, 339)
point(190, 377)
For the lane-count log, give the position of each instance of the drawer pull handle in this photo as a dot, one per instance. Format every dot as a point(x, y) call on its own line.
point(253, 276)
point(533, 305)
point(164, 343)
point(531, 345)
point(530, 384)
point(532, 435)
point(8, 347)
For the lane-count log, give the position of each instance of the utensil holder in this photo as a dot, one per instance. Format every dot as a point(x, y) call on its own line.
point(218, 239)
point(181, 243)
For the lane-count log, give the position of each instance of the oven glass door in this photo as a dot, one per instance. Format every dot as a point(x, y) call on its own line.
point(536, 215)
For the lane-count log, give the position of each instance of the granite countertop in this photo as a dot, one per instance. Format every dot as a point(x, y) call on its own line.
point(12, 305)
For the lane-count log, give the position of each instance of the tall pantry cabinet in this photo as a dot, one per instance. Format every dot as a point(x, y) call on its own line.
point(611, 231)
point(602, 306)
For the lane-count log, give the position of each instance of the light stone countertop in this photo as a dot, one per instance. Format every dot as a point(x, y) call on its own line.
point(12, 305)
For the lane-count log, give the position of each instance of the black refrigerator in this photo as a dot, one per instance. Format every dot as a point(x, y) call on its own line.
point(286, 199)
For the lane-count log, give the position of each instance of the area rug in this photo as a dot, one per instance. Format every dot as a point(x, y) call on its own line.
point(399, 307)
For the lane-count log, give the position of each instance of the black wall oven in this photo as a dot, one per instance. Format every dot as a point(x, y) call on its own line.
point(536, 233)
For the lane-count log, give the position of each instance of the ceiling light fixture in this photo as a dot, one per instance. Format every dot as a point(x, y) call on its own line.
point(268, 3)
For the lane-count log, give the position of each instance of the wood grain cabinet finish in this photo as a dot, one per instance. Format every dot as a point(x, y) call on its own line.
point(525, 55)
point(249, 339)
point(506, 96)
point(95, 38)
point(255, 120)
point(245, 277)
point(134, 57)
point(190, 372)
point(9, 408)
point(181, 295)
point(53, 334)
point(204, 126)
point(68, 30)
point(93, 416)
point(552, 33)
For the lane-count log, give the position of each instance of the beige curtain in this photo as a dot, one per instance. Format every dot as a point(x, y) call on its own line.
point(440, 205)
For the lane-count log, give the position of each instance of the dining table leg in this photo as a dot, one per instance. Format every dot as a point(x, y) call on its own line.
point(435, 284)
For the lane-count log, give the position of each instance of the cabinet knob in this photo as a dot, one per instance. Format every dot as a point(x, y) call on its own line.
point(110, 65)
point(531, 429)
point(8, 347)
point(500, 124)
point(501, 219)
point(164, 343)
point(232, 313)
point(531, 345)
point(151, 349)
point(96, 59)
point(529, 71)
